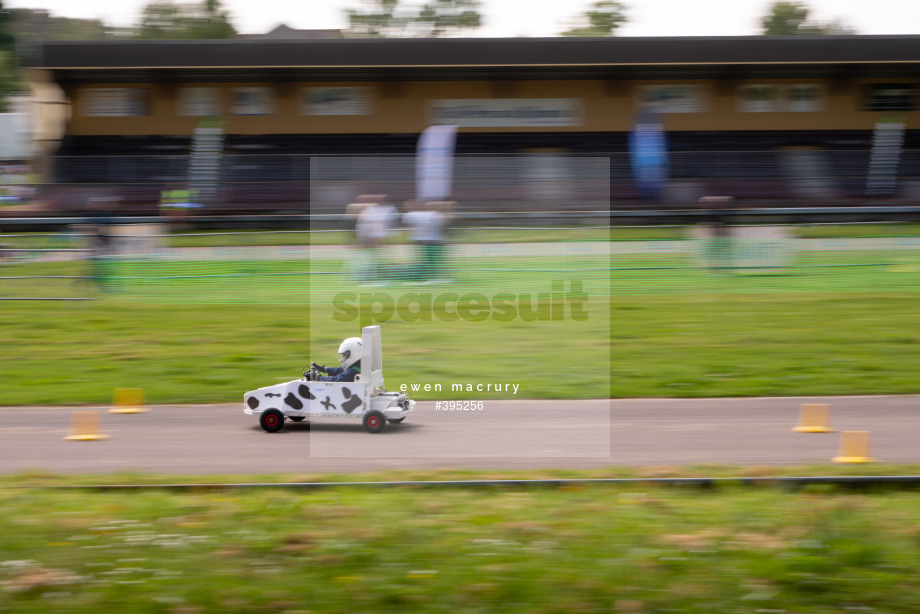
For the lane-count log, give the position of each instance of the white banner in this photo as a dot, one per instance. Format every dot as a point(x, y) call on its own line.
point(434, 163)
point(887, 145)
point(204, 162)
point(506, 112)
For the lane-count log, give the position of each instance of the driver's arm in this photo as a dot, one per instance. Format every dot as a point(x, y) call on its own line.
point(341, 375)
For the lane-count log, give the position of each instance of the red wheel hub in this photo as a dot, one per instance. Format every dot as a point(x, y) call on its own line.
point(372, 422)
point(271, 420)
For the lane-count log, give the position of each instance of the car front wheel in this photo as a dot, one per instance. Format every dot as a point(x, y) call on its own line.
point(374, 421)
point(271, 420)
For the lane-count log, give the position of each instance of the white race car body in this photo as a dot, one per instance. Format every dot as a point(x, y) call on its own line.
point(303, 398)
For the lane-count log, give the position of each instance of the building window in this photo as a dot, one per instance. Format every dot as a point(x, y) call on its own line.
point(505, 112)
point(199, 101)
point(891, 97)
point(673, 98)
point(758, 99)
point(335, 101)
point(116, 102)
point(803, 98)
point(252, 101)
point(770, 98)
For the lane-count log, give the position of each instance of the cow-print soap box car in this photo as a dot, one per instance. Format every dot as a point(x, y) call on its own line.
point(364, 398)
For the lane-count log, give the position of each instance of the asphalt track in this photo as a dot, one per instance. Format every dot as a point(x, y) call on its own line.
point(520, 434)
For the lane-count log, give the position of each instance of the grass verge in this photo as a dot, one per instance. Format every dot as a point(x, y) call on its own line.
point(43, 478)
point(626, 549)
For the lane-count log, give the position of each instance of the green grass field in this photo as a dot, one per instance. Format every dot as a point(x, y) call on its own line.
point(622, 549)
point(839, 322)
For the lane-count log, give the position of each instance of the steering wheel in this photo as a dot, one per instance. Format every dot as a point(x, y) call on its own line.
point(311, 374)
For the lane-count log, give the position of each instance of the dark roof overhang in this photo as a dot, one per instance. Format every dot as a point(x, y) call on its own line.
point(894, 56)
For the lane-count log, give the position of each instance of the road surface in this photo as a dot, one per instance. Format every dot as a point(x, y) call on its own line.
point(520, 434)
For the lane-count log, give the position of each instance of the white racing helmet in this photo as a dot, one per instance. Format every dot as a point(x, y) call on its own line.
point(350, 352)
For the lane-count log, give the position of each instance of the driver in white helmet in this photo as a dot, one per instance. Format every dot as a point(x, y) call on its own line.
point(349, 358)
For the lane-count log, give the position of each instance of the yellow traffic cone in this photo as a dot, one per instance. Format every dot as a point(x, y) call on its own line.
point(128, 401)
point(86, 426)
point(854, 447)
point(813, 418)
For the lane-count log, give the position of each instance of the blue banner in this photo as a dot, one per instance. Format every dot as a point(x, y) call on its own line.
point(648, 149)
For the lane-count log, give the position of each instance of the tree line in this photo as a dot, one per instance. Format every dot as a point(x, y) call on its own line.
point(390, 18)
point(168, 20)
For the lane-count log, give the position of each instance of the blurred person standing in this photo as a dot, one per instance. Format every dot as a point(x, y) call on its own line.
point(445, 210)
point(175, 203)
point(5, 250)
point(719, 246)
point(15, 185)
point(426, 223)
point(353, 211)
point(411, 208)
point(101, 243)
point(373, 228)
point(5, 183)
point(389, 219)
point(21, 184)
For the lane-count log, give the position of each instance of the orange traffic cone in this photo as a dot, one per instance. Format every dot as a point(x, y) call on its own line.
point(813, 418)
point(128, 401)
point(86, 426)
point(854, 447)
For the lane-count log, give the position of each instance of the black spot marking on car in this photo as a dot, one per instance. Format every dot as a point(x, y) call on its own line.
point(272, 394)
point(328, 404)
point(252, 402)
point(352, 401)
point(293, 401)
point(304, 391)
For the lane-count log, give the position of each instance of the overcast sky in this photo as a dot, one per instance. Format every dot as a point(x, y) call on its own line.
point(534, 17)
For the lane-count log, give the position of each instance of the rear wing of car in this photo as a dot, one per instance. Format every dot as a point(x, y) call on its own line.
point(372, 355)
